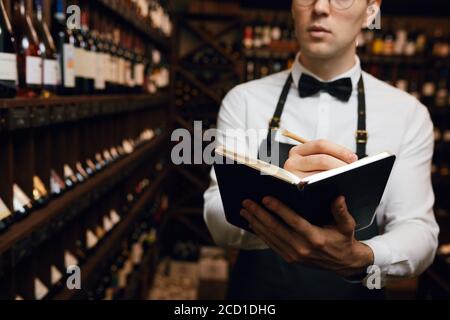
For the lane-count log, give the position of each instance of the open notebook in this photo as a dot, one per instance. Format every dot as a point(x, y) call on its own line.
point(362, 183)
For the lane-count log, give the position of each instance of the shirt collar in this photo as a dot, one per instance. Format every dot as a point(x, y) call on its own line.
point(354, 73)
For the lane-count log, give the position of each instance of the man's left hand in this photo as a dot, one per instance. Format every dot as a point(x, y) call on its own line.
point(332, 248)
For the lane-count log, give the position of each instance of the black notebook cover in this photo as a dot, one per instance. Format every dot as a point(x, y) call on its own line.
point(362, 187)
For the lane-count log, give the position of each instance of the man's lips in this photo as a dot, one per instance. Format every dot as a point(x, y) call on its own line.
point(318, 29)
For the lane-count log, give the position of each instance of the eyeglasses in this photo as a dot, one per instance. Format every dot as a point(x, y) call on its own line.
point(336, 4)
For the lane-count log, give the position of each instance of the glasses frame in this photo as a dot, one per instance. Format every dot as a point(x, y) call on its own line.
point(312, 2)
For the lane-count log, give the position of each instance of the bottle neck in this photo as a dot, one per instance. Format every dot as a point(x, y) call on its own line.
point(38, 9)
point(5, 17)
point(60, 14)
point(20, 7)
point(84, 21)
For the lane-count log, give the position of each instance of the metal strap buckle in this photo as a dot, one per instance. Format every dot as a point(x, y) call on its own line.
point(361, 136)
point(275, 123)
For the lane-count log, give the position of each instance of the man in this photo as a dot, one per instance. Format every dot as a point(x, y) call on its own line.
point(326, 98)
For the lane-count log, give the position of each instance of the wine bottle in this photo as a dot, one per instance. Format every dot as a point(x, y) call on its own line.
point(107, 67)
point(40, 193)
point(90, 53)
point(69, 259)
point(402, 80)
point(6, 217)
point(21, 202)
point(389, 44)
point(107, 223)
point(55, 277)
point(127, 56)
point(248, 37)
point(80, 61)
point(81, 170)
point(107, 156)
point(65, 43)
point(438, 43)
point(111, 82)
point(377, 44)
point(101, 60)
point(400, 42)
point(47, 47)
point(258, 33)
point(91, 167)
point(99, 232)
point(100, 161)
point(429, 88)
point(421, 42)
point(414, 87)
point(115, 217)
point(266, 34)
point(40, 289)
point(69, 177)
point(57, 185)
point(442, 89)
point(91, 240)
point(139, 71)
point(29, 60)
point(411, 44)
point(121, 65)
point(8, 58)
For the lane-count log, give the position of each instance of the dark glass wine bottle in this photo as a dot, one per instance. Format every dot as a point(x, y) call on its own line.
point(8, 58)
point(101, 55)
point(81, 60)
point(65, 44)
point(90, 50)
point(120, 58)
point(139, 69)
point(6, 217)
point(50, 68)
point(29, 62)
point(429, 88)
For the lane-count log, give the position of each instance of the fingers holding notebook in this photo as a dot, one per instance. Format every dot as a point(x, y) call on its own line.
point(324, 147)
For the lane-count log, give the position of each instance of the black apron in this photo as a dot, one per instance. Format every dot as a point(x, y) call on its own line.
point(262, 274)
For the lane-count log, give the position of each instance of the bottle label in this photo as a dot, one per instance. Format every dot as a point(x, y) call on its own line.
point(51, 72)
point(113, 63)
point(20, 199)
point(78, 62)
point(81, 63)
point(4, 211)
point(129, 81)
point(122, 71)
point(100, 71)
point(91, 62)
point(69, 66)
point(8, 67)
point(107, 66)
point(34, 70)
point(139, 74)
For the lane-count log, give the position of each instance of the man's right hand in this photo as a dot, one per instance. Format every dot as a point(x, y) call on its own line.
point(317, 156)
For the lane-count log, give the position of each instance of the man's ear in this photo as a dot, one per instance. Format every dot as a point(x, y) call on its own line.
point(373, 8)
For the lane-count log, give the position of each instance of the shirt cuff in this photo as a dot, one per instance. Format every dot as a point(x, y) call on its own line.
point(381, 252)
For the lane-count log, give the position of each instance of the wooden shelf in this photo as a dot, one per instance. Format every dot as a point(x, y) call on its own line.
point(107, 98)
point(118, 8)
point(22, 113)
point(72, 202)
point(110, 243)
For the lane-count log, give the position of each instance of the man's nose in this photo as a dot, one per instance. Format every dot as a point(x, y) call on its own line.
point(322, 7)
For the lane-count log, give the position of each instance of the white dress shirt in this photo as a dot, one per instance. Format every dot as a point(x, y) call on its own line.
point(396, 122)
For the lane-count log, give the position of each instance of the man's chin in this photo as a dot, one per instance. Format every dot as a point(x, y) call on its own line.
point(321, 51)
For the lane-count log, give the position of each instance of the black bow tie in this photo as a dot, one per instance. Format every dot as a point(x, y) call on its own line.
point(341, 89)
